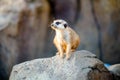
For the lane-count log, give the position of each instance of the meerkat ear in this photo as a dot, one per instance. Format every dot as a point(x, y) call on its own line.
point(65, 25)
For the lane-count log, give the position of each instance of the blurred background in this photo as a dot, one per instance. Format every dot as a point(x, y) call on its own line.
point(25, 33)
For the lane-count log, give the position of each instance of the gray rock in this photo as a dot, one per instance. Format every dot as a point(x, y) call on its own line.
point(115, 70)
point(83, 65)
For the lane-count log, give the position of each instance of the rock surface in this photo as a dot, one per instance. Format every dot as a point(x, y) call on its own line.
point(115, 70)
point(83, 65)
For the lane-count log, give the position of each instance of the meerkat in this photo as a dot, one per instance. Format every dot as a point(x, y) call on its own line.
point(66, 40)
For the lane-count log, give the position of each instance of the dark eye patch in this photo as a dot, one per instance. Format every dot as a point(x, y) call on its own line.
point(65, 25)
point(58, 23)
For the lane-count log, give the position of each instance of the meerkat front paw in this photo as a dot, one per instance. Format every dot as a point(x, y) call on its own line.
point(62, 55)
point(68, 56)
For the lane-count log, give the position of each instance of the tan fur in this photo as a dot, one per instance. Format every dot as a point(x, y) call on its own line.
point(66, 41)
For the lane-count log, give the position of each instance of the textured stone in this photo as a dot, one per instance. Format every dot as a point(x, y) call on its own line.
point(115, 70)
point(83, 65)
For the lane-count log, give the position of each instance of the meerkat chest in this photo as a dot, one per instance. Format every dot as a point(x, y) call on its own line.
point(63, 36)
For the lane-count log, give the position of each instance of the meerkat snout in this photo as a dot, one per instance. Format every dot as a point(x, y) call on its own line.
point(66, 39)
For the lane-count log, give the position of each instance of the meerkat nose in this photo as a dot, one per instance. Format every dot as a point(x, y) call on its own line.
point(53, 25)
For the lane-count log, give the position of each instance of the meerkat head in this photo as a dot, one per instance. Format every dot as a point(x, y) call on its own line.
point(59, 24)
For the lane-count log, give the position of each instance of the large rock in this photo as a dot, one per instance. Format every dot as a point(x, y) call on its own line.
point(115, 70)
point(83, 65)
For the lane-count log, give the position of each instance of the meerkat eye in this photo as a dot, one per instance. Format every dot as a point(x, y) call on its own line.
point(65, 25)
point(57, 23)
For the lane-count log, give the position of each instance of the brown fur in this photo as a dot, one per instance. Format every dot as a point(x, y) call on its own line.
point(64, 46)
